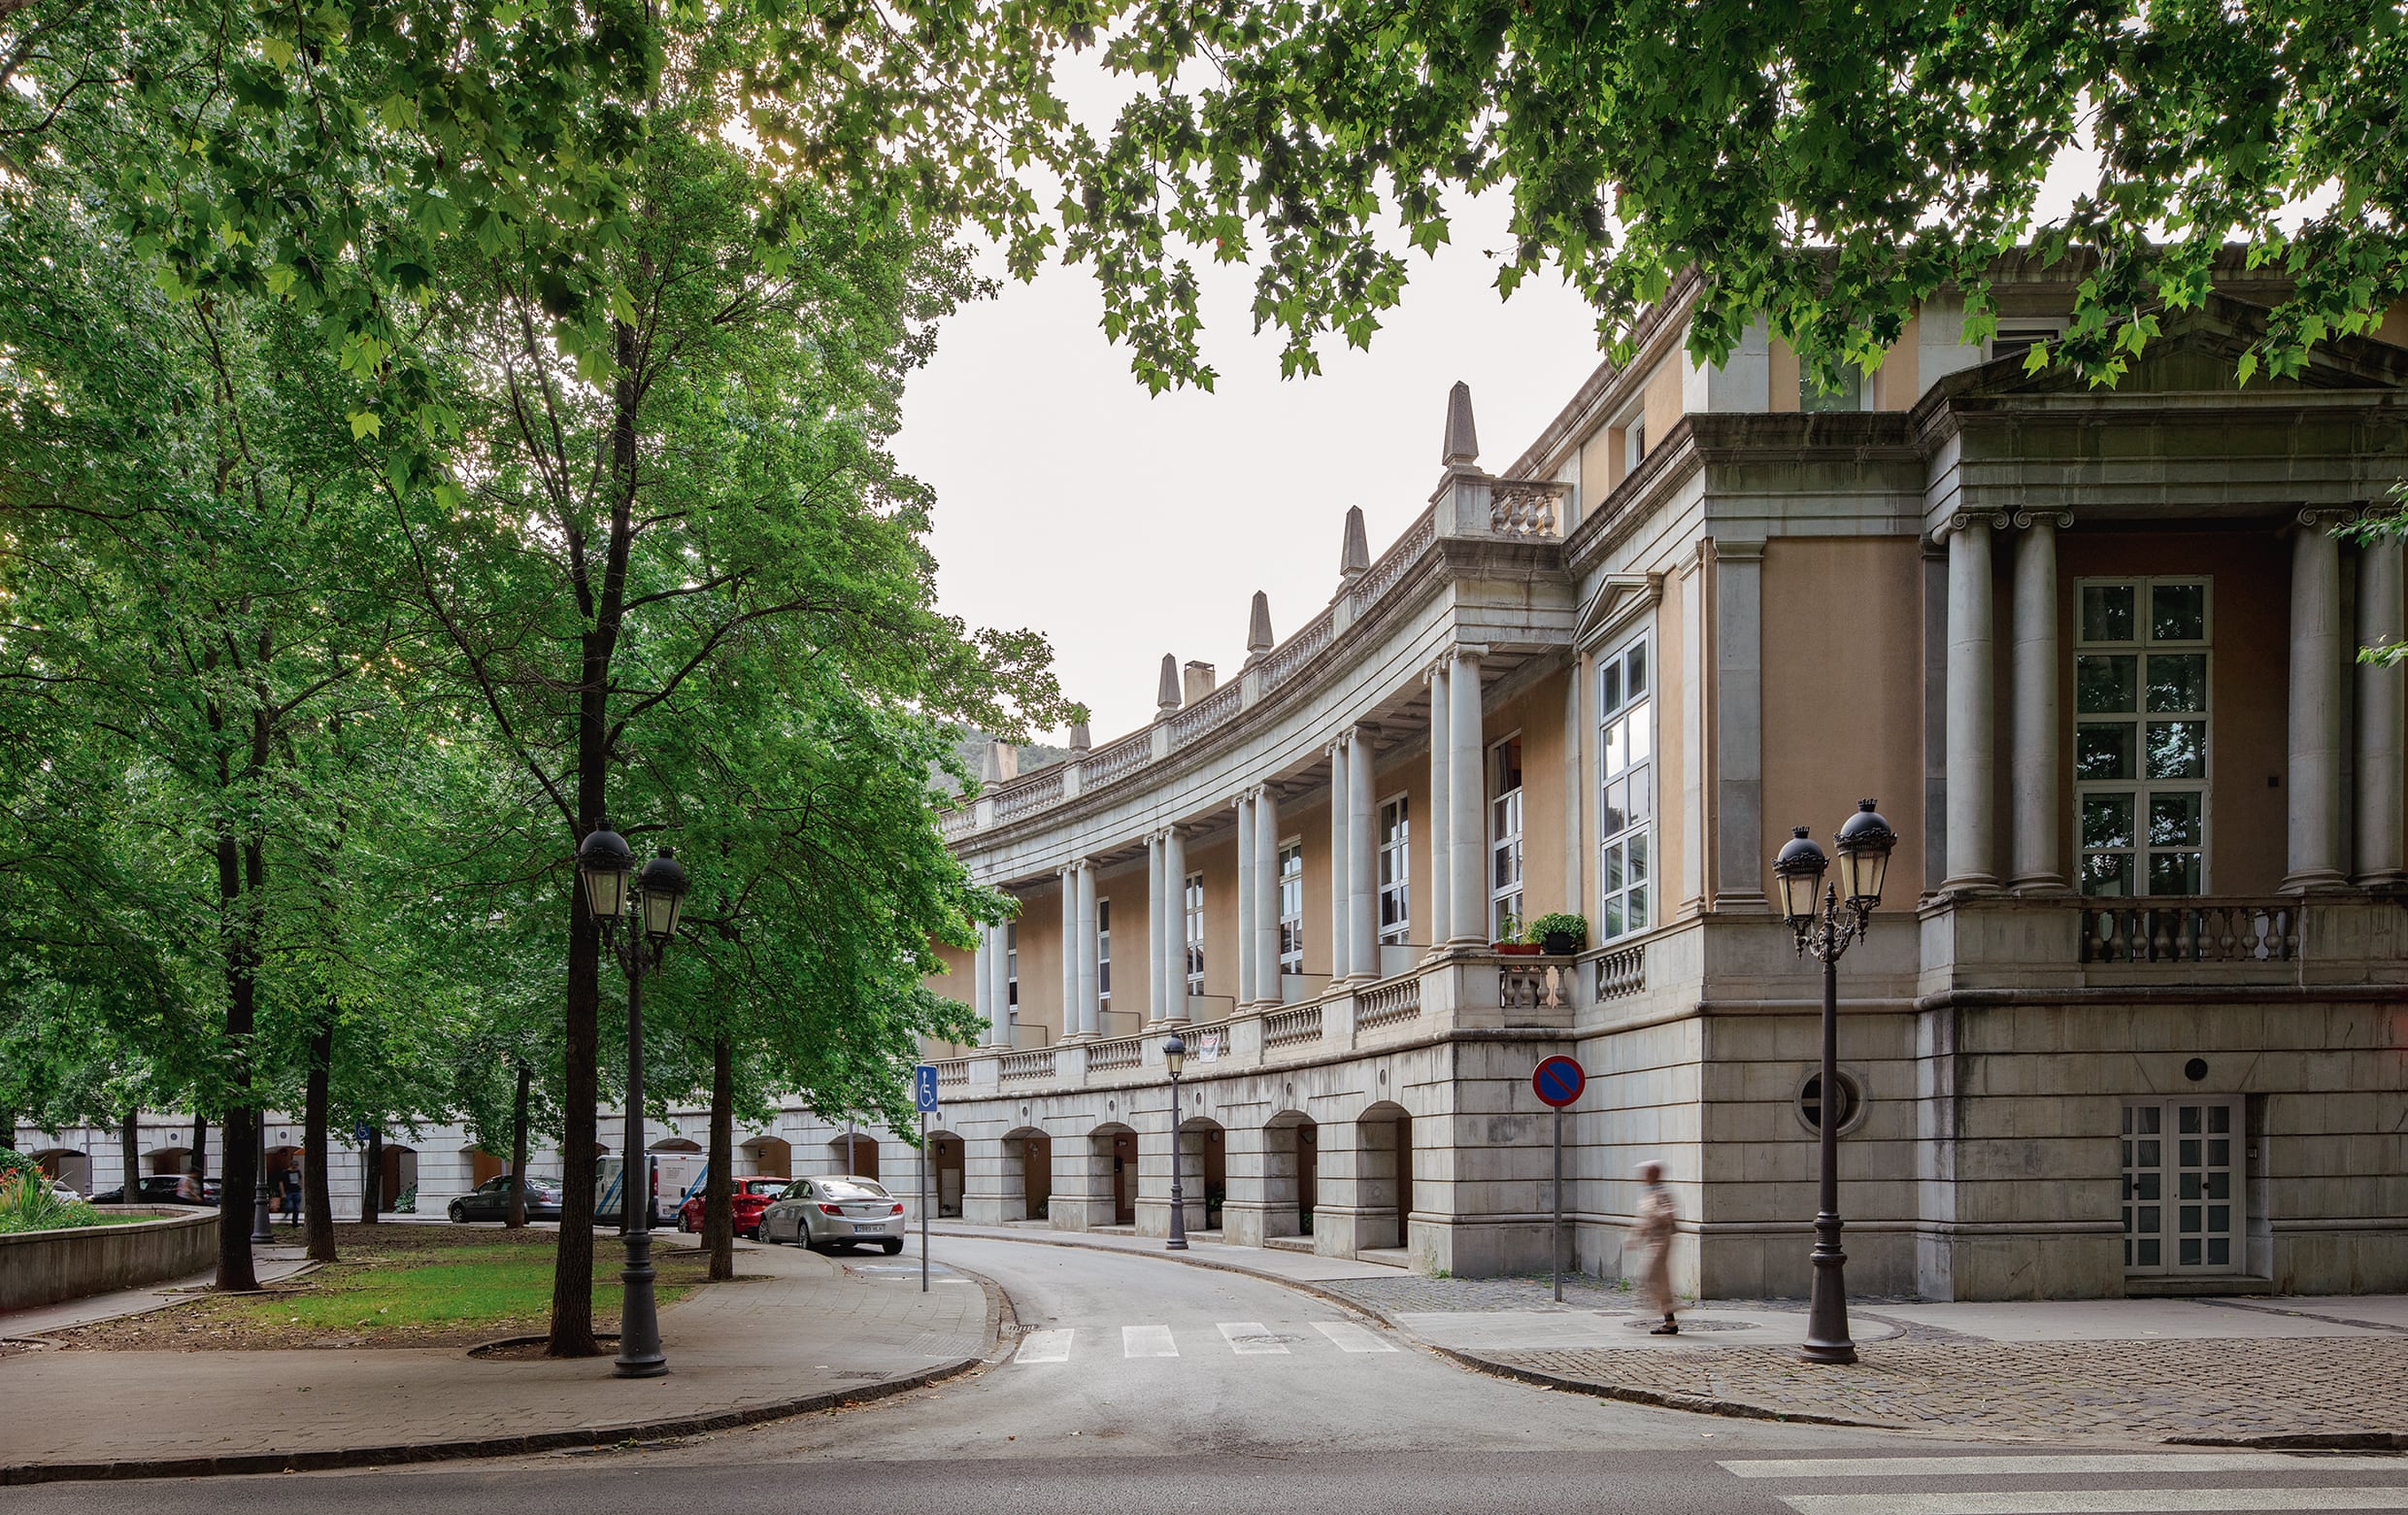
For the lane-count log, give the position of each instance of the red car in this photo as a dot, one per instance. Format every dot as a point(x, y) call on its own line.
point(750, 1199)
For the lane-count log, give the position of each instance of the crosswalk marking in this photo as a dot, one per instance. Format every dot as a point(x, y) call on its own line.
point(2099, 1501)
point(1148, 1341)
point(1252, 1338)
point(1043, 1346)
point(1350, 1337)
point(2027, 1464)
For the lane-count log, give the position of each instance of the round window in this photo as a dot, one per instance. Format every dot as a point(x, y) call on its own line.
point(1810, 1103)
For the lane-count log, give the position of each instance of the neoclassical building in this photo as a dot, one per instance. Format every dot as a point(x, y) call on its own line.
point(2130, 1019)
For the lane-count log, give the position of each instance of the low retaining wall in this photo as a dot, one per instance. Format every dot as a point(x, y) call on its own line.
point(44, 1268)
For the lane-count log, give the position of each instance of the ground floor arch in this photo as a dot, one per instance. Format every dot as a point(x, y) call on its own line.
point(168, 1160)
point(483, 1166)
point(765, 1157)
point(1203, 1171)
point(1029, 1151)
point(856, 1153)
point(67, 1164)
point(399, 1186)
point(945, 1172)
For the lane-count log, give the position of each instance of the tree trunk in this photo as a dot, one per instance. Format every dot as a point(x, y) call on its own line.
point(372, 1177)
point(129, 1155)
point(719, 1213)
point(317, 1200)
point(516, 1216)
point(572, 1274)
point(200, 1147)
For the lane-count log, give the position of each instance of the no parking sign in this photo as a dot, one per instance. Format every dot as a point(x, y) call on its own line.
point(1558, 1082)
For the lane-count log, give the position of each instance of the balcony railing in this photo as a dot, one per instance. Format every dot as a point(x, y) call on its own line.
point(1292, 1028)
point(2191, 930)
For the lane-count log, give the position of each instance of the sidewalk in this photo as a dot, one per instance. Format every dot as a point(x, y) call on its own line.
point(269, 1264)
point(800, 1332)
point(2325, 1371)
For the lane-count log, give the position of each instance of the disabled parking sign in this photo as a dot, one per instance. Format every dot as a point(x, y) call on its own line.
point(923, 1087)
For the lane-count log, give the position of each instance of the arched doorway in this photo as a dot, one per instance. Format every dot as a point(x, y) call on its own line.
point(1112, 1149)
point(483, 1166)
point(766, 1157)
point(947, 1166)
point(399, 1180)
point(68, 1166)
point(1203, 1171)
point(1384, 1183)
point(1028, 1159)
point(1290, 1166)
point(169, 1159)
point(854, 1153)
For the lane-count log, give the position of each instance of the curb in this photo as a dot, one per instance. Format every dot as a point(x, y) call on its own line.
point(999, 1307)
point(1707, 1405)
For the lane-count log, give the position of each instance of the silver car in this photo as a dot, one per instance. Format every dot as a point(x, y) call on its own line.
point(835, 1212)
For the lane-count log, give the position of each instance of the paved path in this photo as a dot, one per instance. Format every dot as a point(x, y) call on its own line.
point(2329, 1371)
point(809, 1326)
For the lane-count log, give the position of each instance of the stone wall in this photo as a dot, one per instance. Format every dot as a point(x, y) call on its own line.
point(42, 1267)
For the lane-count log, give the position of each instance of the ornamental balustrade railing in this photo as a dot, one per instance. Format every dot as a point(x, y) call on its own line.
point(1526, 507)
point(2193, 930)
point(1394, 564)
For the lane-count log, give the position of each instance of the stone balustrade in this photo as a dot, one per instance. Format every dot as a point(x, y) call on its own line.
point(2010, 943)
point(2191, 930)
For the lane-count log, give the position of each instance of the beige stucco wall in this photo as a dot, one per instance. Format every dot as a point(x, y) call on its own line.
point(1125, 886)
point(1663, 400)
point(1843, 693)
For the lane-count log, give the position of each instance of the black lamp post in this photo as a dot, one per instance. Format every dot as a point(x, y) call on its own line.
point(1175, 1057)
point(649, 912)
point(260, 1229)
point(1864, 845)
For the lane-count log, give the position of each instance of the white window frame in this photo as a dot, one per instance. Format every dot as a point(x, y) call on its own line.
point(1292, 905)
point(1505, 894)
point(2138, 790)
point(1627, 889)
point(1194, 914)
point(2179, 1191)
point(2019, 336)
point(1012, 969)
point(1855, 393)
point(1103, 953)
point(1393, 879)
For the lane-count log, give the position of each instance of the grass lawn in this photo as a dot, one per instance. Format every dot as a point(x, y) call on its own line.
point(397, 1286)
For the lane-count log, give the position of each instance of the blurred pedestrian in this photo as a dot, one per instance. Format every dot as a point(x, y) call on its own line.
point(288, 1184)
point(1651, 1241)
point(188, 1188)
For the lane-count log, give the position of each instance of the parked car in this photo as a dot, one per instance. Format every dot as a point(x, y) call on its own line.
point(835, 1212)
point(752, 1195)
point(159, 1188)
point(490, 1200)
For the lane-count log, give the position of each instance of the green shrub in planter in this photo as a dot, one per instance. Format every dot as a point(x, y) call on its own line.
point(26, 1203)
point(1559, 932)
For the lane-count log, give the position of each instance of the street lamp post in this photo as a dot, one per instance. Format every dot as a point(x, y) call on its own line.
point(1175, 1057)
point(260, 1229)
point(649, 912)
point(1864, 843)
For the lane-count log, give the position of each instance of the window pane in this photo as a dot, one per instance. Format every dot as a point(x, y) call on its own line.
point(1849, 396)
point(2105, 685)
point(2107, 613)
point(2174, 873)
point(1610, 688)
point(2178, 680)
point(2107, 820)
point(2219, 1119)
point(1616, 753)
point(1638, 856)
point(1640, 738)
point(2107, 873)
point(2178, 613)
point(2219, 1252)
point(2173, 819)
point(2149, 1186)
point(1642, 795)
point(1617, 817)
point(2103, 749)
point(1614, 915)
point(1612, 868)
point(1637, 662)
point(2177, 749)
point(1638, 906)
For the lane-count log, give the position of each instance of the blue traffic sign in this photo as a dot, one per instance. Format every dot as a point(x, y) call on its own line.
point(924, 1087)
point(1559, 1082)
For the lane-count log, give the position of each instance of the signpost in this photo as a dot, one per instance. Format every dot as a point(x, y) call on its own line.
point(1558, 1082)
point(923, 1095)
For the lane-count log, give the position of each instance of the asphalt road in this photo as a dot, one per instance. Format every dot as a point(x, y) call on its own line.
point(1145, 1385)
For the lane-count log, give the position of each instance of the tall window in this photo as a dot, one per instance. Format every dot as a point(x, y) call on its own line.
point(1195, 933)
point(1504, 837)
point(1012, 968)
point(1627, 792)
point(1395, 872)
point(2141, 736)
point(1103, 952)
point(1291, 907)
point(1849, 396)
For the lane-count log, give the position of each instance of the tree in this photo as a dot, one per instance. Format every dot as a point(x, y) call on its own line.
point(1827, 166)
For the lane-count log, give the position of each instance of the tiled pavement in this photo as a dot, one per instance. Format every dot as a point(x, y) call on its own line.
point(807, 1328)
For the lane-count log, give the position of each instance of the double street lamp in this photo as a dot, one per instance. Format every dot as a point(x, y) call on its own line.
point(1175, 1057)
point(1824, 926)
point(649, 912)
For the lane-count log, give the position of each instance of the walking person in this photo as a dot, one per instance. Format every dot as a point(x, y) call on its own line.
point(1651, 1241)
point(288, 1184)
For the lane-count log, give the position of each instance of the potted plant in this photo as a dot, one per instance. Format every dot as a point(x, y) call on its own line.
point(1560, 933)
point(1509, 939)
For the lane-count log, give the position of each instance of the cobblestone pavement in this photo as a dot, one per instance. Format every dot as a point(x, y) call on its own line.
point(2214, 1388)
point(747, 1350)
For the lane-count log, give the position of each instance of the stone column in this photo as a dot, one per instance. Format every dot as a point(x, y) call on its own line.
point(1467, 788)
point(1435, 825)
point(1090, 967)
point(1972, 714)
point(983, 978)
point(1082, 1198)
point(2380, 708)
point(1000, 962)
point(2036, 774)
point(1247, 976)
point(1067, 1025)
point(1341, 902)
point(2315, 653)
point(1175, 893)
point(1266, 924)
point(1362, 857)
point(993, 1191)
point(1157, 933)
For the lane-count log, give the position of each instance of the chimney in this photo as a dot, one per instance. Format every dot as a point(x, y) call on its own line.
point(1462, 441)
point(1166, 693)
point(1199, 681)
point(1259, 629)
point(1355, 558)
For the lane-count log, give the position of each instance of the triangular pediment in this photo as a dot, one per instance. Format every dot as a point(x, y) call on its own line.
point(2200, 352)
